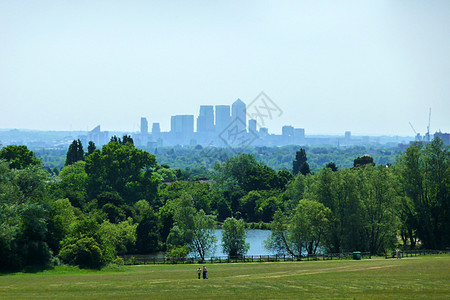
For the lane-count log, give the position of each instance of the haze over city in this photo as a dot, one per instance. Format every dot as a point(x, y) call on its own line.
point(365, 67)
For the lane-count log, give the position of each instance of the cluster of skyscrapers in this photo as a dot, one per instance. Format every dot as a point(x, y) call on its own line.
point(234, 126)
point(219, 125)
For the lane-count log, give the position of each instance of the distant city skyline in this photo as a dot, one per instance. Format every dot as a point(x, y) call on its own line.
point(369, 67)
point(165, 124)
point(227, 126)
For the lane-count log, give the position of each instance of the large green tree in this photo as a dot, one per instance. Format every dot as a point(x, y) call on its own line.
point(197, 227)
point(425, 178)
point(294, 192)
point(62, 216)
point(83, 245)
point(233, 237)
point(379, 207)
point(280, 239)
point(365, 160)
point(19, 157)
point(73, 183)
point(309, 224)
point(340, 192)
point(301, 230)
point(118, 238)
point(232, 175)
point(123, 169)
point(147, 232)
point(23, 217)
point(243, 172)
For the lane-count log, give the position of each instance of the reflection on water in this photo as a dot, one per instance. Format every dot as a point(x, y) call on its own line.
point(255, 238)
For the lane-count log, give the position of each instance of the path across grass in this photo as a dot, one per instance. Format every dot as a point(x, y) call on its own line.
point(417, 277)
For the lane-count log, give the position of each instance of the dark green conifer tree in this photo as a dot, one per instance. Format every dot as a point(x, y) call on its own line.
point(74, 153)
point(91, 147)
point(300, 163)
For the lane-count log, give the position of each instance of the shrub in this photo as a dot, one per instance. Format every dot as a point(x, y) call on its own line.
point(84, 252)
point(178, 252)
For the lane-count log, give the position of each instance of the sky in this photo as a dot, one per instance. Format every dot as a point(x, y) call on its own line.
point(369, 67)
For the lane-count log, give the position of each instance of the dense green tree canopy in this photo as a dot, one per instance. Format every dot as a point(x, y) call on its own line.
point(363, 161)
point(23, 212)
point(244, 172)
point(425, 178)
point(123, 169)
point(19, 157)
point(119, 201)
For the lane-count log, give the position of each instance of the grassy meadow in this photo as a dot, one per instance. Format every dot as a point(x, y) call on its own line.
point(416, 277)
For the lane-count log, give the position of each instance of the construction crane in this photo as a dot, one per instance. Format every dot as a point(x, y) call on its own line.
point(418, 137)
point(412, 127)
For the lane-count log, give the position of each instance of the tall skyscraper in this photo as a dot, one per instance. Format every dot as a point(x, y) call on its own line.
point(144, 126)
point(205, 120)
point(223, 117)
point(239, 115)
point(287, 134)
point(156, 130)
point(287, 131)
point(299, 133)
point(182, 124)
point(263, 132)
point(252, 126)
point(348, 136)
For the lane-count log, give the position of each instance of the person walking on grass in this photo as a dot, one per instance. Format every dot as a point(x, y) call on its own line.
point(199, 272)
point(205, 273)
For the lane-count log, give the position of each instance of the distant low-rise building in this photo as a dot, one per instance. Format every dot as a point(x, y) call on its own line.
point(445, 137)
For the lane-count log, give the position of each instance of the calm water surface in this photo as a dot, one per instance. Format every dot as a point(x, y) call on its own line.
point(255, 238)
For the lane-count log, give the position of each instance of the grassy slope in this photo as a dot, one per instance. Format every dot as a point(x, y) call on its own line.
point(420, 277)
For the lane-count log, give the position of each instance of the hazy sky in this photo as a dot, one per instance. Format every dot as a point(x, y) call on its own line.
point(365, 66)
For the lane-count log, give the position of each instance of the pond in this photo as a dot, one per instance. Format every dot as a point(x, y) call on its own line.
point(255, 238)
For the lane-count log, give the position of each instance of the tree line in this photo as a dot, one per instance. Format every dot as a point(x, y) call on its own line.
point(197, 161)
point(118, 200)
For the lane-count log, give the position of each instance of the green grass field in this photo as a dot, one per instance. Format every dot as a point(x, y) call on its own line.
point(417, 277)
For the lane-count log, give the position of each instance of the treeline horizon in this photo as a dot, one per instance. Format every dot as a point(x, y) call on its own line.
point(200, 160)
point(118, 200)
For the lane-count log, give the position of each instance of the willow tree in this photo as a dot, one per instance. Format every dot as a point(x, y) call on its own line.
point(233, 237)
point(196, 228)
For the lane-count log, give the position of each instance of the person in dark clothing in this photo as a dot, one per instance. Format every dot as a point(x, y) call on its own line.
point(205, 273)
